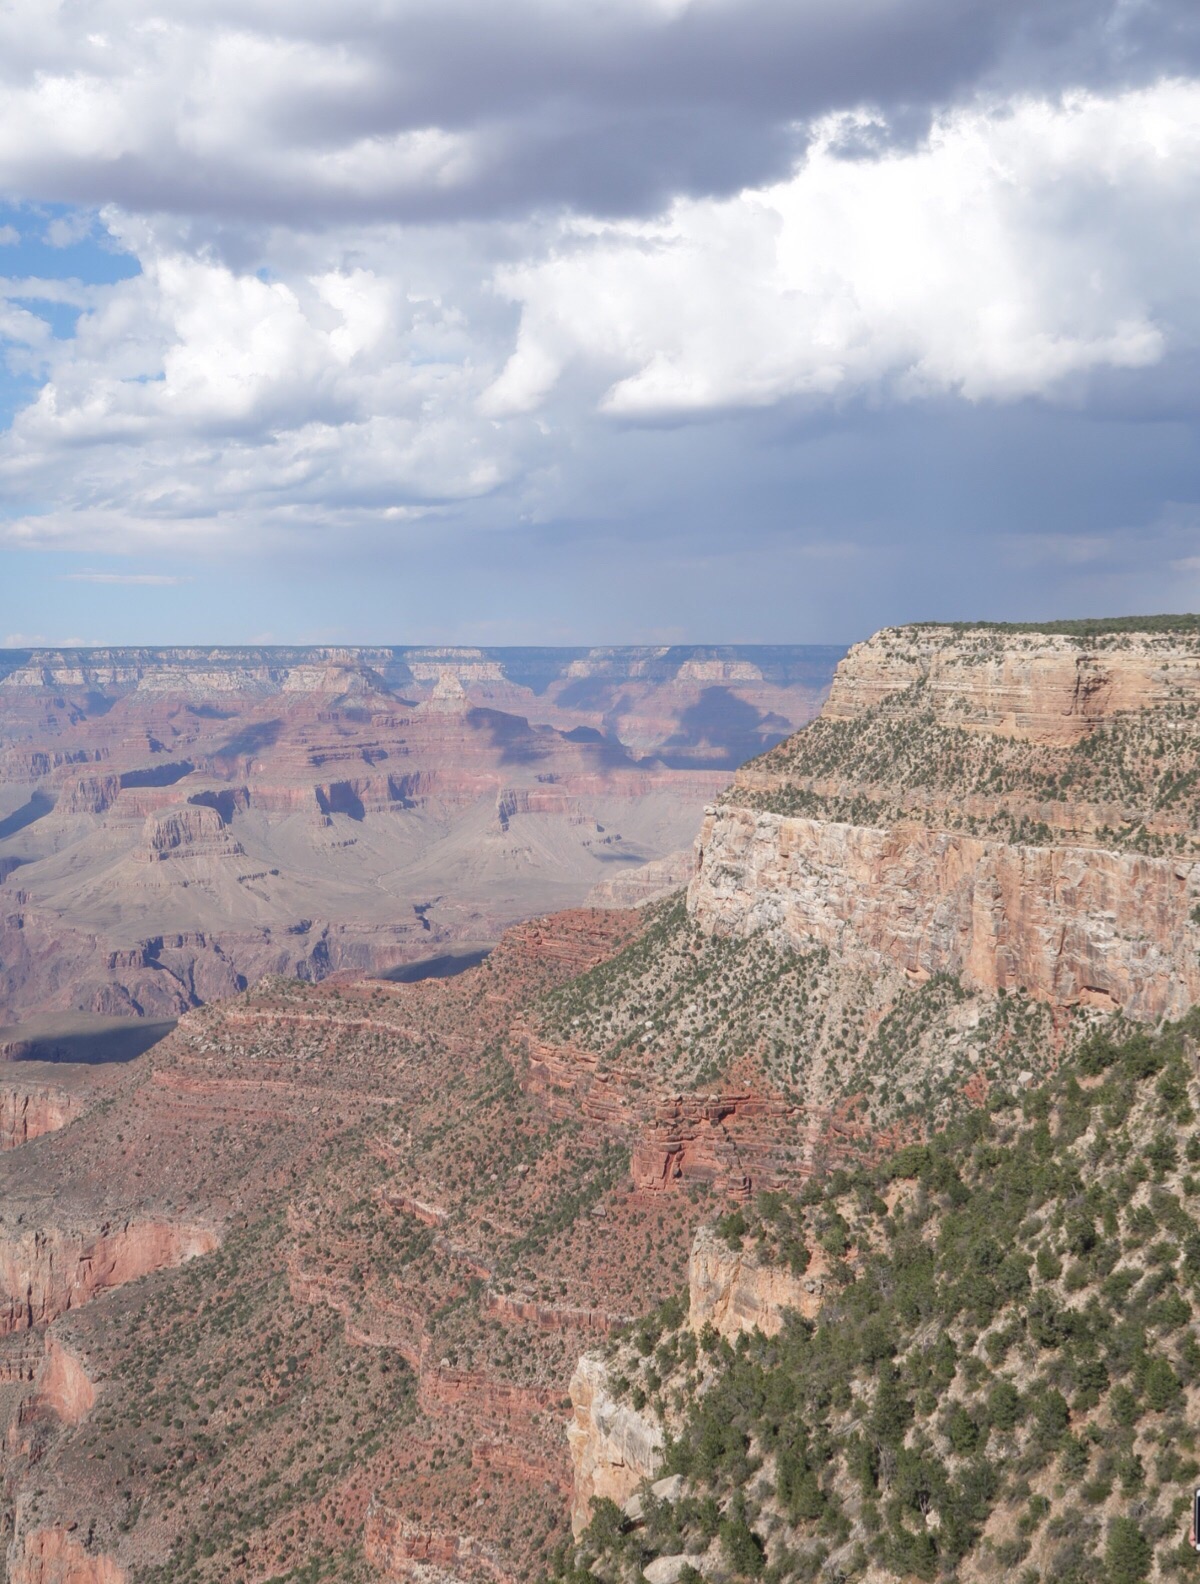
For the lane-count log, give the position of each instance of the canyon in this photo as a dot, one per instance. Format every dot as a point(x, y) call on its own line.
point(177, 823)
point(330, 1276)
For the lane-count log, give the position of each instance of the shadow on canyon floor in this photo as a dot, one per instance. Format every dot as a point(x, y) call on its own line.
point(78, 1038)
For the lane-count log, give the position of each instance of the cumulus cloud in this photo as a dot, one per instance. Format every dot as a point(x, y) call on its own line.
point(365, 374)
point(454, 108)
point(1013, 249)
point(400, 263)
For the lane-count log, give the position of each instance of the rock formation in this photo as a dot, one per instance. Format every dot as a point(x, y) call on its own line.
point(175, 824)
point(613, 1446)
point(734, 1290)
point(1093, 903)
point(56, 1556)
point(29, 1109)
point(44, 1272)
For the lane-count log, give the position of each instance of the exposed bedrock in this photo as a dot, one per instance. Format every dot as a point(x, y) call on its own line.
point(732, 1290)
point(53, 1555)
point(44, 1272)
point(613, 1446)
point(400, 1549)
point(1041, 687)
point(1069, 925)
point(29, 1110)
point(63, 1384)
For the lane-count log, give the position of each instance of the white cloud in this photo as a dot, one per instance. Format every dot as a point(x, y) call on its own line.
point(9, 236)
point(254, 383)
point(68, 229)
point(1015, 249)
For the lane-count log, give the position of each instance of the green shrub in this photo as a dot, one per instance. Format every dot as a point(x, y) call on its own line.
point(1127, 1556)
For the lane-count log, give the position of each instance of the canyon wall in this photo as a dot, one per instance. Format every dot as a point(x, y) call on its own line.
point(176, 823)
point(1066, 924)
point(46, 1271)
point(733, 1290)
point(55, 1556)
point(1046, 687)
point(28, 1110)
point(976, 860)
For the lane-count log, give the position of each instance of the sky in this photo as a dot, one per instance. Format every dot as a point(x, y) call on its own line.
point(416, 321)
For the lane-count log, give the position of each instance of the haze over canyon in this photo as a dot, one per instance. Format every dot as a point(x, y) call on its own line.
point(174, 823)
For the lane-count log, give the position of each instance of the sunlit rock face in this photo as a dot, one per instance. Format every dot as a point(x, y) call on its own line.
point(1016, 809)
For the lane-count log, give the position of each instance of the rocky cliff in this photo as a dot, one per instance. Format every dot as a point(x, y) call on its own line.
point(30, 1108)
point(1016, 809)
point(617, 1444)
point(613, 1446)
point(44, 1272)
point(735, 1289)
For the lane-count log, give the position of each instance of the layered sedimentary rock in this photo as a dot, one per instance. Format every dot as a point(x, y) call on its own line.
point(1046, 687)
point(1029, 819)
point(44, 1272)
point(401, 1549)
point(176, 823)
point(1069, 925)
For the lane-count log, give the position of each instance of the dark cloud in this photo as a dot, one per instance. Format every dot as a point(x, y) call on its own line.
point(284, 113)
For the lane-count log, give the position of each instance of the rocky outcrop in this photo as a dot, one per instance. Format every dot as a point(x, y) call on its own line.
point(44, 1272)
point(63, 1384)
point(401, 1549)
point(27, 1110)
point(88, 795)
point(647, 883)
point(613, 1446)
point(192, 831)
point(1068, 925)
point(1052, 688)
point(995, 842)
point(56, 1556)
point(733, 1290)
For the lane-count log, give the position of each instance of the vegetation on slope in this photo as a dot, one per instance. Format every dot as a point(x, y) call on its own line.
point(1134, 782)
point(1003, 1380)
point(1085, 627)
point(690, 1008)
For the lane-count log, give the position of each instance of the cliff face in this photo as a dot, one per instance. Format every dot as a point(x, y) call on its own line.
point(1069, 925)
point(1018, 810)
point(613, 1447)
point(616, 1446)
point(46, 1272)
point(27, 1110)
point(733, 1290)
point(1041, 687)
point(54, 1556)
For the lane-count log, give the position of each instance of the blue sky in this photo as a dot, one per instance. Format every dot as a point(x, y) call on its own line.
point(673, 320)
